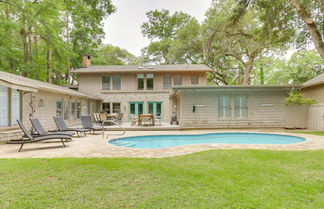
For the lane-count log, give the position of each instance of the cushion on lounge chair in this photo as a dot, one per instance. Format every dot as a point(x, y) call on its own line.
point(41, 131)
point(59, 121)
point(87, 123)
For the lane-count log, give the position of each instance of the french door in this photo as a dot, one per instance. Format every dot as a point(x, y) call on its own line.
point(155, 108)
point(136, 108)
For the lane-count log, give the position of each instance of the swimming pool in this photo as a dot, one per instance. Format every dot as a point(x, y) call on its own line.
point(164, 141)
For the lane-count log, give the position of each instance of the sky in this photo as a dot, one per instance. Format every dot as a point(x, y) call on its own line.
point(123, 28)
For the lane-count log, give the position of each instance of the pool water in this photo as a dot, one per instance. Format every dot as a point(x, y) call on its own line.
point(163, 141)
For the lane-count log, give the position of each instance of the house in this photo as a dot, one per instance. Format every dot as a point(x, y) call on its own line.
point(22, 98)
point(233, 106)
point(136, 89)
point(314, 88)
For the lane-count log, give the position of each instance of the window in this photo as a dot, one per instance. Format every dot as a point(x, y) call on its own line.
point(149, 81)
point(58, 108)
point(224, 107)
point(116, 80)
point(15, 106)
point(106, 107)
point(116, 107)
point(166, 82)
point(241, 106)
point(194, 79)
point(66, 109)
point(78, 110)
point(140, 81)
point(177, 80)
point(105, 82)
point(4, 106)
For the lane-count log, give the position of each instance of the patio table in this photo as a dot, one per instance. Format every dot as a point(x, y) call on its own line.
point(141, 117)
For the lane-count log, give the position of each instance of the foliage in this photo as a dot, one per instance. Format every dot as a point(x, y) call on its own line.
point(46, 39)
point(162, 29)
point(162, 25)
point(212, 179)
point(112, 55)
point(298, 99)
point(301, 67)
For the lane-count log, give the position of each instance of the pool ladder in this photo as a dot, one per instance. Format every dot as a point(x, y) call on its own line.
point(114, 122)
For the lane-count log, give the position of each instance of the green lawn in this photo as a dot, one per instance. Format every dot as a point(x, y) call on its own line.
point(211, 179)
point(319, 133)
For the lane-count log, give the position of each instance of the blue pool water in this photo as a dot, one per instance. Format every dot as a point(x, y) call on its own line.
point(163, 141)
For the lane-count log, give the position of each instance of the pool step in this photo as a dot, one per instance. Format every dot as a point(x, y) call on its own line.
point(125, 143)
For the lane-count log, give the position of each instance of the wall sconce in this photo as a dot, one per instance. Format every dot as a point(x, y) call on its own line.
point(196, 105)
point(41, 103)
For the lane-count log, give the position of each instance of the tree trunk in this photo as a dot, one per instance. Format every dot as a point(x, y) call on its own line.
point(311, 26)
point(248, 70)
point(49, 69)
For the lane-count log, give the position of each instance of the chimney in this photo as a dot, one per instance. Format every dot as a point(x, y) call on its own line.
point(86, 62)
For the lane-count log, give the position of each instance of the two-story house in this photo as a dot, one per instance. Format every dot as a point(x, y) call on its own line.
point(137, 89)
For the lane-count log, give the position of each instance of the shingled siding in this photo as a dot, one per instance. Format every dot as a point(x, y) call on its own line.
point(124, 99)
point(266, 109)
point(92, 84)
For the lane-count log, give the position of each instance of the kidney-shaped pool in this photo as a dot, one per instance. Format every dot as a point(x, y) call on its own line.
point(164, 141)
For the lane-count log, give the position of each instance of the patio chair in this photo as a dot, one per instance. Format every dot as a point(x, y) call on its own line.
point(157, 119)
point(59, 121)
point(97, 118)
point(87, 124)
point(134, 119)
point(119, 118)
point(41, 131)
point(32, 139)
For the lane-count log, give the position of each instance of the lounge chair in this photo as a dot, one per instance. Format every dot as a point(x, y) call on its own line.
point(32, 139)
point(41, 131)
point(87, 124)
point(59, 121)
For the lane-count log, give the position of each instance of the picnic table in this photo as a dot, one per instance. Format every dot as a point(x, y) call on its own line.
point(143, 117)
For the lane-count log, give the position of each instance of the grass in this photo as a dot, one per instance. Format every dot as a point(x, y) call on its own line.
point(319, 133)
point(211, 179)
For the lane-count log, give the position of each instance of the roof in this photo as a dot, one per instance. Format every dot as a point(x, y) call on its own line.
point(266, 86)
point(27, 84)
point(143, 68)
point(314, 81)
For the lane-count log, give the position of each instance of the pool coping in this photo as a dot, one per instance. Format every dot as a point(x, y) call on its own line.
point(95, 146)
point(212, 144)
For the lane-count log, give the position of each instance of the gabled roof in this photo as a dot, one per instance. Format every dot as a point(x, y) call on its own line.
point(27, 84)
point(143, 68)
point(314, 81)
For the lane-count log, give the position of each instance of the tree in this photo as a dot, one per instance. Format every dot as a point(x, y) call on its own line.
point(282, 15)
point(235, 37)
point(162, 28)
point(113, 55)
point(45, 39)
point(301, 67)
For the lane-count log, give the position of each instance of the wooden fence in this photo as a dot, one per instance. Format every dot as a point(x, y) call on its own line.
point(316, 117)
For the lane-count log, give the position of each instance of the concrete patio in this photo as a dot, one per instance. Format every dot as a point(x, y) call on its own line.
point(96, 146)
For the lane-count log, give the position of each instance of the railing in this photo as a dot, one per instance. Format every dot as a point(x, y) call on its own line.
point(115, 123)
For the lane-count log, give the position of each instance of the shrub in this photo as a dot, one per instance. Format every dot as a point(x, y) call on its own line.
point(299, 99)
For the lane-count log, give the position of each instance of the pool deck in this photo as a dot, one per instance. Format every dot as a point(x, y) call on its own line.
point(95, 146)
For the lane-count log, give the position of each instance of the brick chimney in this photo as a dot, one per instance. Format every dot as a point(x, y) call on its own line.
point(86, 61)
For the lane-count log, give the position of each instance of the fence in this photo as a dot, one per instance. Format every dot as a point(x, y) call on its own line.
point(316, 117)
